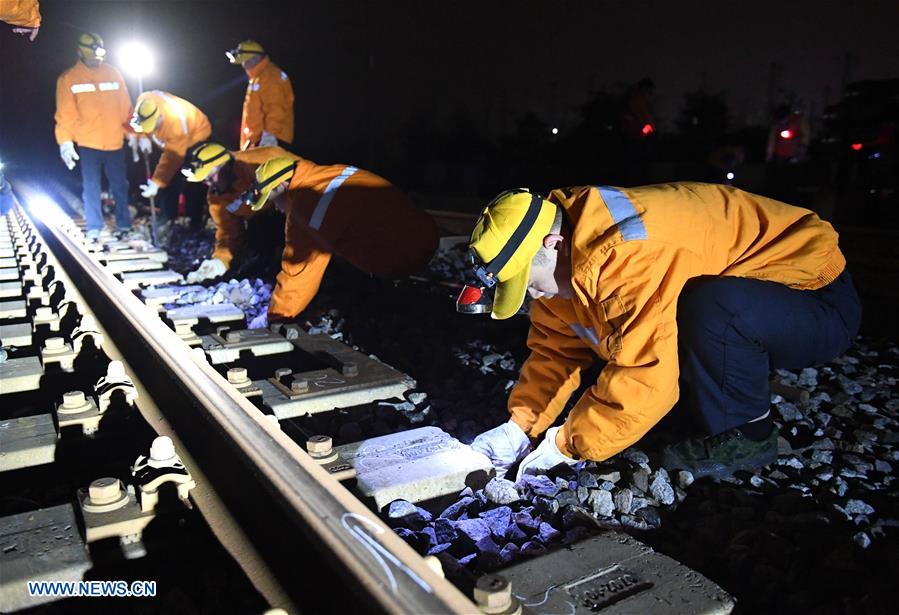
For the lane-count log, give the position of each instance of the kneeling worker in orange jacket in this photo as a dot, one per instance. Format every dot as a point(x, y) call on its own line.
point(698, 283)
point(175, 125)
point(24, 15)
point(228, 175)
point(342, 211)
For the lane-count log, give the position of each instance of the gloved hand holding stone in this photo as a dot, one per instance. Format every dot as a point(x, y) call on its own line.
point(68, 154)
point(144, 145)
point(149, 189)
point(260, 322)
point(268, 139)
point(209, 269)
point(547, 455)
point(503, 445)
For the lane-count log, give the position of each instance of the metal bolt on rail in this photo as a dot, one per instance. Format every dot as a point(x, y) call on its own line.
point(162, 466)
point(493, 595)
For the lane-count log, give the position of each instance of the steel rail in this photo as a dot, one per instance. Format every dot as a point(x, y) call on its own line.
point(314, 534)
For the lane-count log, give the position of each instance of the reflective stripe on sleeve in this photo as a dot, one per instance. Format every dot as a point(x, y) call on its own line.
point(80, 88)
point(321, 208)
point(106, 86)
point(623, 212)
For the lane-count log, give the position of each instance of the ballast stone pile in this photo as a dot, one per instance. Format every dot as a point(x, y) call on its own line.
point(840, 449)
point(837, 462)
point(492, 527)
point(252, 297)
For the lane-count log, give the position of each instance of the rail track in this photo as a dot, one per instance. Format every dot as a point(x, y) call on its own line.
point(302, 539)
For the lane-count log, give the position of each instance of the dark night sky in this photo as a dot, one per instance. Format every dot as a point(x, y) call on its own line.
point(361, 70)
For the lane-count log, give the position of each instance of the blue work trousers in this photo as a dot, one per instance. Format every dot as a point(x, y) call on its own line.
point(733, 331)
point(93, 162)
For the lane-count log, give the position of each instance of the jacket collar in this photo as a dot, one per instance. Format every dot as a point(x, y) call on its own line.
point(592, 234)
point(254, 72)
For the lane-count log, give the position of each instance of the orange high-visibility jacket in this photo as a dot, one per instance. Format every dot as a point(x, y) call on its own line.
point(225, 209)
point(21, 13)
point(268, 105)
point(92, 107)
point(633, 249)
point(348, 212)
point(183, 125)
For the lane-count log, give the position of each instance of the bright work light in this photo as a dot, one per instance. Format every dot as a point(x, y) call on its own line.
point(136, 60)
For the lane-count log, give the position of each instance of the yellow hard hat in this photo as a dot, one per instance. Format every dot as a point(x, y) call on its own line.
point(505, 240)
point(244, 51)
point(203, 159)
point(269, 175)
point(146, 115)
point(90, 47)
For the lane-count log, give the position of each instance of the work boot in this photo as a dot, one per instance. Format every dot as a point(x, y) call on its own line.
point(721, 455)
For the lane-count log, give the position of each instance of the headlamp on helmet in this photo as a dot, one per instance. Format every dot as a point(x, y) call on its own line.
point(90, 47)
point(509, 233)
point(256, 196)
point(244, 51)
point(203, 159)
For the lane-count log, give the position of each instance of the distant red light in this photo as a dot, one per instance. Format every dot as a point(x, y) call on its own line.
point(647, 129)
point(786, 134)
point(856, 146)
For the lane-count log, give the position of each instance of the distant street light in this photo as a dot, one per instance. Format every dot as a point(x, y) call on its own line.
point(730, 175)
point(555, 131)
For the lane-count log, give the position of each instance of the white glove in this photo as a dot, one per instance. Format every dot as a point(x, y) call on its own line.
point(503, 445)
point(149, 190)
point(267, 140)
point(68, 154)
point(31, 33)
point(260, 322)
point(144, 145)
point(132, 143)
point(209, 269)
point(545, 456)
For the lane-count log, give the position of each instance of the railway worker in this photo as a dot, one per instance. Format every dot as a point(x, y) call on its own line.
point(228, 175)
point(23, 15)
point(698, 282)
point(267, 118)
point(92, 111)
point(337, 210)
point(175, 125)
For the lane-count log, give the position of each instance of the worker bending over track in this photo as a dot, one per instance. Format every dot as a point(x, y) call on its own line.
point(174, 125)
point(228, 175)
point(694, 282)
point(337, 210)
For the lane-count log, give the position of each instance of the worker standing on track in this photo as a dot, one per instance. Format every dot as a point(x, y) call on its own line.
point(337, 210)
point(267, 118)
point(23, 15)
point(92, 111)
point(700, 283)
point(175, 125)
point(228, 175)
